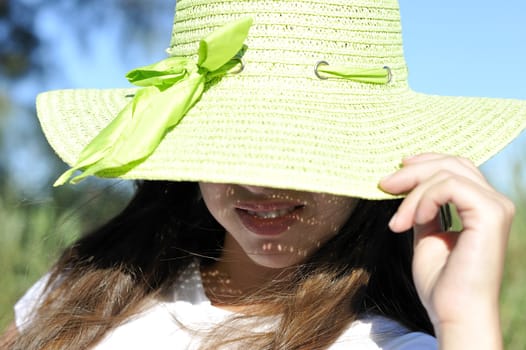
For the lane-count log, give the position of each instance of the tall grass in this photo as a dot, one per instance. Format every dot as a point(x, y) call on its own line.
point(513, 296)
point(32, 235)
point(30, 238)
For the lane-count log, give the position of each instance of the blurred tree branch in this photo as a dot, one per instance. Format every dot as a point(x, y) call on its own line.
point(19, 37)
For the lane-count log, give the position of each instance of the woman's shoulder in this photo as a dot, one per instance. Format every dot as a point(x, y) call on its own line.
point(379, 332)
point(32, 298)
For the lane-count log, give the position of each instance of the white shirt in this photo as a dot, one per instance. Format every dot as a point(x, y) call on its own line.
point(157, 328)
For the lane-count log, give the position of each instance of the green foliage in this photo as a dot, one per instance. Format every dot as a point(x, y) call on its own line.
point(513, 295)
point(32, 234)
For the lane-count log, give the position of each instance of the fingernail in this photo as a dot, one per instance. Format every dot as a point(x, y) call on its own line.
point(392, 222)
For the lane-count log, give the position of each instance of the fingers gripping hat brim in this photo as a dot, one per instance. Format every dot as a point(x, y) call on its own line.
point(276, 123)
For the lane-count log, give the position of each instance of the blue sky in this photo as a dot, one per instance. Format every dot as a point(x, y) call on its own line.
point(466, 47)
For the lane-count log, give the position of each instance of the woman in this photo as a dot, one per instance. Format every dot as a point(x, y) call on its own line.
point(263, 222)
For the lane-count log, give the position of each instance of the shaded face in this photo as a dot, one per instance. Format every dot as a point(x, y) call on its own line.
point(276, 228)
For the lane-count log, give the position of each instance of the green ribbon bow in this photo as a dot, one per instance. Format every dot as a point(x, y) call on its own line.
point(170, 88)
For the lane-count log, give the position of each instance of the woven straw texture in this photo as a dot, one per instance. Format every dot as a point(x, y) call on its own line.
point(276, 124)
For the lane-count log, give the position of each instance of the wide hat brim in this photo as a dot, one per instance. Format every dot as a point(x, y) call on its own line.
point(302, 138)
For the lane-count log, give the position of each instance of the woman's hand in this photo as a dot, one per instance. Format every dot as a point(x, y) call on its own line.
point(457, 274)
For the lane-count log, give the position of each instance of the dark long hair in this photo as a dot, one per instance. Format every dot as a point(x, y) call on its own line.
point(110, 272)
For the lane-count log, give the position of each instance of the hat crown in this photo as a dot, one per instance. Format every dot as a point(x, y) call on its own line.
point(289, 37)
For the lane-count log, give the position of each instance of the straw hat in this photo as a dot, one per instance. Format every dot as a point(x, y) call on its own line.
point(313, 96)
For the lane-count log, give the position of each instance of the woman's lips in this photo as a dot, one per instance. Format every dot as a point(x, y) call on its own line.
point(268, 219)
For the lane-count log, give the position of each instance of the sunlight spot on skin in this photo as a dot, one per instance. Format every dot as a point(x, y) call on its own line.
point(219, 284)
point(230, 191)
point(223, 212)
point(312, 222)
point(267, 247)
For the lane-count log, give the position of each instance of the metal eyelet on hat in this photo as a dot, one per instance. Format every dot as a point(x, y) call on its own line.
point(241, 68)
point(316, 69)
point(390, 74)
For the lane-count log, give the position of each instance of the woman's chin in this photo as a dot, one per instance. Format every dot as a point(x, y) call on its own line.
point(276, 260)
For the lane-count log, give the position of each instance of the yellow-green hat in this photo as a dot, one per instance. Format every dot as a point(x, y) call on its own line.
point(307, 95)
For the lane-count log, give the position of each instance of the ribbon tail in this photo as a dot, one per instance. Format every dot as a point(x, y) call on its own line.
point(153, 117)
point(100, 145)
point(64, 177)
point(92, 169)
